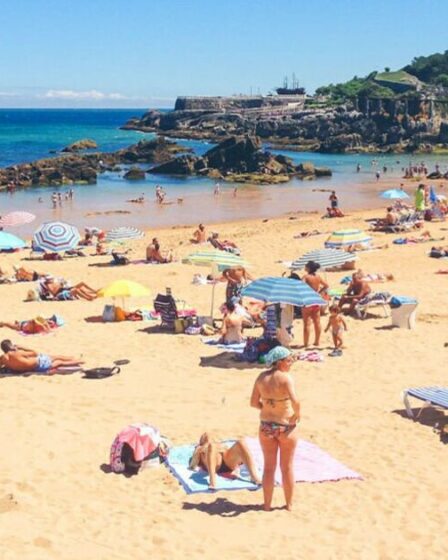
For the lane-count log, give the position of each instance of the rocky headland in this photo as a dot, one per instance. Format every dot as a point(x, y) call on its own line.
point(387, 127)
point(73, 166)
point(392, 111)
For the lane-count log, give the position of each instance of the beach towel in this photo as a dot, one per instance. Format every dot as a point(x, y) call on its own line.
point(311, 464)
point(234, 347)
point(312, 356)
point(195, 481)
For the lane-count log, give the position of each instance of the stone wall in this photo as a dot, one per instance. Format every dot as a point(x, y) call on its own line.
point(237, 102)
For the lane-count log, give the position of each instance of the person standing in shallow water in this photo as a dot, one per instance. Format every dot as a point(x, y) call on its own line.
point(275, 397)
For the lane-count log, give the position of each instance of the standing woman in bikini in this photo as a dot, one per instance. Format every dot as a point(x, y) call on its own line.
point(311, 313)
point(274, 395)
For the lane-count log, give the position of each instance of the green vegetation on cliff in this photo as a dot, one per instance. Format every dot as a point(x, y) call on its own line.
point(432, 69)
point(424, 70)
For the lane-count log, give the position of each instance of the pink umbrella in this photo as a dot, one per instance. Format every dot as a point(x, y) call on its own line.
point(16, 219)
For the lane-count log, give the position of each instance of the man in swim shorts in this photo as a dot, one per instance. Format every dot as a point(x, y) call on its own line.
point(23, 360)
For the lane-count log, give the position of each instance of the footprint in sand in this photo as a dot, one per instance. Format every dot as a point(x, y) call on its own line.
point(8, 503)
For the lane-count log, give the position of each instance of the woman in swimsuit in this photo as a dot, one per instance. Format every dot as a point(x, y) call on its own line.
point(311, 313)
point(274, 395)
point(216, 459)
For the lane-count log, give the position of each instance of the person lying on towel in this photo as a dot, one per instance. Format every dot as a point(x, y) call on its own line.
point(23, 360)
point(215, 458)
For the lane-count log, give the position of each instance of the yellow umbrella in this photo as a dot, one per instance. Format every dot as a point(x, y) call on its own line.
point(124, 288)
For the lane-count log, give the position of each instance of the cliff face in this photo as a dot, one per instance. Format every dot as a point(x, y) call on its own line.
point(367, 125)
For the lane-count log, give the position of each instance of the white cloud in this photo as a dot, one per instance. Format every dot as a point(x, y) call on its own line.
point(91, 95)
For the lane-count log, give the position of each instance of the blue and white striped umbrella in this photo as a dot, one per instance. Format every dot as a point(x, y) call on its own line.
point(327, 258)
point(282, 290)
point(56, 237)
point(121, 233)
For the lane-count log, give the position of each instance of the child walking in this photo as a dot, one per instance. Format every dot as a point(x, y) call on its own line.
point(338, 326)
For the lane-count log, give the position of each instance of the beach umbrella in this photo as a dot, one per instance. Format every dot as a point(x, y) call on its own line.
point(326, 258)
point(217, 260)
point(56, 237)
point(124, 289)
point(282, 290)
point(394, 194)
point(16, 219)
point(347, 237)
point(121, 233)
point(8, 242)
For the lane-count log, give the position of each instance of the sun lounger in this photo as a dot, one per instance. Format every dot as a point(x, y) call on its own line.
point(432, 396)
point(377, 299)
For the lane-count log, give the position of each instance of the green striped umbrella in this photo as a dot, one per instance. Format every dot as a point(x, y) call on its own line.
point(216, 260)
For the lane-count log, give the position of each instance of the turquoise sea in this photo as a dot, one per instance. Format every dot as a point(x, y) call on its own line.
point(28, 134)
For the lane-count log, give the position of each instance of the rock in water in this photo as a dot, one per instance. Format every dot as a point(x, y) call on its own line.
point(135, 174)
point(85, 144)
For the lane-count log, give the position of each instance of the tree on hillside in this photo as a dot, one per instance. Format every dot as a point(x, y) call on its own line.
point(429, 68)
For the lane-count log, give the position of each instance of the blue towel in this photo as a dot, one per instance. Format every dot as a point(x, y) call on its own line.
point(194, 482)
point(397, 301)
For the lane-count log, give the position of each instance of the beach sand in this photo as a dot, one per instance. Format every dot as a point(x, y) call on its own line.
point(56, 501)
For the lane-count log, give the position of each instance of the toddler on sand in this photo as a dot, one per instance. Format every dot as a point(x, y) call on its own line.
point(338, 326)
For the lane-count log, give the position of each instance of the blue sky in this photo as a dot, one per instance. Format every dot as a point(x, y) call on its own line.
point(141, 53)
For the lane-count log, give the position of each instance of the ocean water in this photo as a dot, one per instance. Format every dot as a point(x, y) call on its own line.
point(26, 135)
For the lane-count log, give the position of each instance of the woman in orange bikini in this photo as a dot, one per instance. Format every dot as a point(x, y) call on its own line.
point(274, 395)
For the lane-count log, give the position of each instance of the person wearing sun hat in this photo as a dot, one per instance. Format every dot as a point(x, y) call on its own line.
point(275, 396)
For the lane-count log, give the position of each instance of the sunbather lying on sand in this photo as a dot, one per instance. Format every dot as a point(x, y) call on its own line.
point(32, 326)
point(375, 276)
point(22, 360)
point(21, 274)
point(58, 289)
point(364, 247)
point(218, 459)
point(424, 237)
point(303, 234)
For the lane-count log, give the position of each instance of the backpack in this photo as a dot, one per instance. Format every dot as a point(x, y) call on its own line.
point(133, 445)
point(109, 313)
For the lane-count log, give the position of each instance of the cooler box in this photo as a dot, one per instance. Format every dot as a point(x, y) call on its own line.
point(403, 310)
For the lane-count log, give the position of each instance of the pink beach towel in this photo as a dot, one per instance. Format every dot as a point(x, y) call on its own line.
point(311, 464)
point(143, 440)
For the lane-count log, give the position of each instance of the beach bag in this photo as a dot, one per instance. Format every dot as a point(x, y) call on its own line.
point(180, 326)
point(133, 445)
point(119, 314)
point(109, 313)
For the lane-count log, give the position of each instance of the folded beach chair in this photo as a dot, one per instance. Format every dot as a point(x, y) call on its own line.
point(376, 299)
point(432, 396)
point(165, 304)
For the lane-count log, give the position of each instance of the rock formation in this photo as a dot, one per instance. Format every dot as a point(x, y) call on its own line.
point(81, 145)
point(379, 125)
point(73, 167)
point(239, 159)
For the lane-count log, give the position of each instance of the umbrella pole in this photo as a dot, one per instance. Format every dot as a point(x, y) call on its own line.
point(215, 272)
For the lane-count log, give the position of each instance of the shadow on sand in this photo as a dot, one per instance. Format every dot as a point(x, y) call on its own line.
point(430, 417)
point(223, 507)
point(227, 360)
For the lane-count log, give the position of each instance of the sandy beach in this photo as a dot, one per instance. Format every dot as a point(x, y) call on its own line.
point(56, 501)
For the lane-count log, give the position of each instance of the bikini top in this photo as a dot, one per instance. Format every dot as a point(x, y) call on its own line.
point(272, 402)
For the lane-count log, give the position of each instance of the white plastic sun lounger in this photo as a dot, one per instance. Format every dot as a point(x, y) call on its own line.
point(432, 396)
